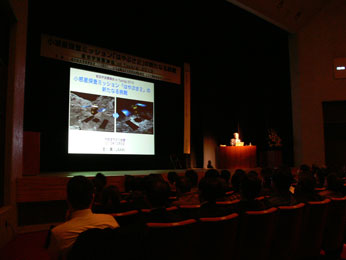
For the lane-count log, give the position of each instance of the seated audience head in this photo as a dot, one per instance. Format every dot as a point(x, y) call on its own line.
point(281, 180)
point(129, 183)
point(236, 179)
point(334, 182)
point(192, 176)
point(250, 187)
point(149, 179)
point(266, 175)
point(304, 168)
point(320, 175)
point(211, 173)
point(183, 185)
point(80, 193)
point(111, 197)
point(314, 168)
point(100, 181)
point(172, 177)
point(158, 192)
point(253, 173)
point(139, 184)
point(226, 175)
point(306, 183)
point(305, 189)
point(211, 189)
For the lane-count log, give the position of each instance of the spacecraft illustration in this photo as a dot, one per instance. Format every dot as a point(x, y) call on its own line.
point(133, 116)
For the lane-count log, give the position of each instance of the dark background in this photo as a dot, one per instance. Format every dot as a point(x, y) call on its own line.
point(239, 75)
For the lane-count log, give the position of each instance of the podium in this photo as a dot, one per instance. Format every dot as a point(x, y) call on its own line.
point(231, 157)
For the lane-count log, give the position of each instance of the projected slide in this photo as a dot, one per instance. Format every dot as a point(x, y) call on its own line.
point(110, 114)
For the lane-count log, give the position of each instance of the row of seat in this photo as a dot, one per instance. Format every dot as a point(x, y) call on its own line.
point(286, 232)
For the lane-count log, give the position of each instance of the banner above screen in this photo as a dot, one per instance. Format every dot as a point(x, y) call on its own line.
point(80, 53)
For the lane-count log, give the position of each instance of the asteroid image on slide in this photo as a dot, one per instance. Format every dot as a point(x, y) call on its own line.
point(134, 116)
point(91, 112)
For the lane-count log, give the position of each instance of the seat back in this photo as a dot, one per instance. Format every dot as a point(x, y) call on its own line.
point(315, 217)
point(335, 225)
point(218, 237)
point(190, 211)
point(98, 243)
point(172, 208)
point(288, 231)
point(261, 197)
point(127, 218)
point(255, 234)
point(172, 198)
point(175, 240)
point(228, 193)
point(231, 205)
point(319, 189)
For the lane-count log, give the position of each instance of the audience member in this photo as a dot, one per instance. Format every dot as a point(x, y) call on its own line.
point(172, 179)
point(320, 176)
point(80, 195)
point(253, 173)
point(100, 182)
point(335, 187)
point(340, 171)
point(226, 175)
point(158, 193)
point(281, 183)
point(137, 199)
point(266, 179)
point(305, 188)
point(250, 188)
point(212, 189)
point(184, 194)
point(304, 168)
point(212, 173)
point(236, 179)
point(129, 183)
point(193, 178)
point(110, 201)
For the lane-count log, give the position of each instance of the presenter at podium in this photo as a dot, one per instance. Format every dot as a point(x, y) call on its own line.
point(236, 141)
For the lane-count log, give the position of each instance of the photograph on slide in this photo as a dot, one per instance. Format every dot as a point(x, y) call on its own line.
point(91, 112)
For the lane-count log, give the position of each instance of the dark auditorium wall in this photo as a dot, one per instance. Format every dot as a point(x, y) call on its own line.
point(16, 12)
point(313, 50)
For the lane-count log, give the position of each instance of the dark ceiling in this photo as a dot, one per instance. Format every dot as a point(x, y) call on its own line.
point(176, 30)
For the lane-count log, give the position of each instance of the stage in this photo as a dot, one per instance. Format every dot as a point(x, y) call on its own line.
point(108, 173)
